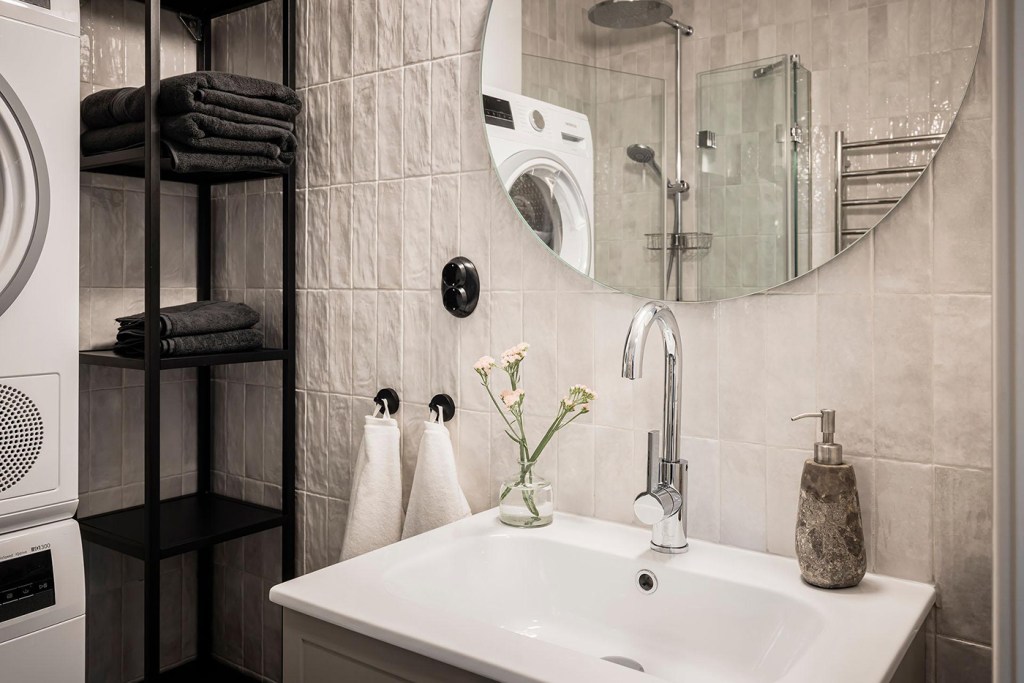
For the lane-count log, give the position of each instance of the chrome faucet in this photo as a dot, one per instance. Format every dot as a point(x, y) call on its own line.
point(663, 505)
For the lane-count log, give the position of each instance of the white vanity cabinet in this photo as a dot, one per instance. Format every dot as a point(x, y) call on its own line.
point(318, 652)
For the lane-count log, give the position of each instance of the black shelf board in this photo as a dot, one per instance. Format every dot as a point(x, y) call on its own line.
point(187, 523)
point(108, 358)
point(204, 670)
point(207, 8)
point(131, 163)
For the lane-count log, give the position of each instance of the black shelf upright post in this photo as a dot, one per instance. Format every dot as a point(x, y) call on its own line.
point(288, 318)
point(151, 409)
point(205, 418)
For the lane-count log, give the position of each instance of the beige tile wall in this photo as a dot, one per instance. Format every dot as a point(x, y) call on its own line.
point(880, 334)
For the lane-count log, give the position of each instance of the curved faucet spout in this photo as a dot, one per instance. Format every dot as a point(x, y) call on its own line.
point(633, 360)
point(663, 504)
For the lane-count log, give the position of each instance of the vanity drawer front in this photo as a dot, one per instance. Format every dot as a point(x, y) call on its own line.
point(318, 652)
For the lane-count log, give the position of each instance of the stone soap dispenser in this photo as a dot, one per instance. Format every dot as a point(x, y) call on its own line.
point(829, 532)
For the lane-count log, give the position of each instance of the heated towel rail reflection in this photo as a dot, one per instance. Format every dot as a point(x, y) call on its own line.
point(843, 174)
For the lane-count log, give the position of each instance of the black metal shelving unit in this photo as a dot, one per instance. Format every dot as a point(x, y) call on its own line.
point(197, 522)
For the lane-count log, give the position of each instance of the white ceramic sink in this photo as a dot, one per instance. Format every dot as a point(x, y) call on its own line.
point(547, 604)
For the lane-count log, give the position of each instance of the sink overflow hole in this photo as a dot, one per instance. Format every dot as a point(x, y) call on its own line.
point(624, 661)
point(646, 581)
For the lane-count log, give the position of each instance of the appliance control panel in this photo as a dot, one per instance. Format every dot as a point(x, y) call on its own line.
point(26, 584)
point(498, 112)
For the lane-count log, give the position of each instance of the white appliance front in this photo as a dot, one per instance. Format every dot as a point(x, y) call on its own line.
point(42, 604)
point(39, 124)
point(545, 158)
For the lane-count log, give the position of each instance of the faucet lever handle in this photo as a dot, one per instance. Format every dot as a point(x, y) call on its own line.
point(653, 460)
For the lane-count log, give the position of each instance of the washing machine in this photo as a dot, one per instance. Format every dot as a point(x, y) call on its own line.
point(545, 158)
point(42, 605)
point(42, 578)
point(39, 126)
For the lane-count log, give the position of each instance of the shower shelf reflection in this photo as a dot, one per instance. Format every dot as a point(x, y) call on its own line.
point(679, 241)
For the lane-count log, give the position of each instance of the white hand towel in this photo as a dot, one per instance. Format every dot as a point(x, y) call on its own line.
point(436, 498)
point(375, 504)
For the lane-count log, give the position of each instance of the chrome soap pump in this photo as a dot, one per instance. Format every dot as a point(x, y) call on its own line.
point(829, 530)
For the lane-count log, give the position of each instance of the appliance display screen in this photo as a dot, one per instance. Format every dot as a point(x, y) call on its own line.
point(26, 585)
point(498, 112)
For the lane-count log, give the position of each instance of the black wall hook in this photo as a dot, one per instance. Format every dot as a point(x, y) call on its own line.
point(443, 404)
point(389, 395)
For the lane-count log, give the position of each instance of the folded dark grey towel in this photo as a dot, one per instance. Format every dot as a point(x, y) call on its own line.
point(185, 160)
point(228, 96)
point(113, 139)
point(198, 317)
point(200, 133)
point(216, 342)
point(204, 132)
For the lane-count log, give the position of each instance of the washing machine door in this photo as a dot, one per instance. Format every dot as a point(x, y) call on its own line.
point(550, 200)
point(24, 197)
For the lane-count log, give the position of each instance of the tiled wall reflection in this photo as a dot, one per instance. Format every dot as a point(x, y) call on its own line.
point(629, 198)
point(879, 69)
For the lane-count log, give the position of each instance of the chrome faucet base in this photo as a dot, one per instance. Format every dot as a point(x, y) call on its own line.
point(669, 550)
point(670, 531)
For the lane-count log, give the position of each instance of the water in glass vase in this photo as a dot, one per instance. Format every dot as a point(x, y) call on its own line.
point(526, 501)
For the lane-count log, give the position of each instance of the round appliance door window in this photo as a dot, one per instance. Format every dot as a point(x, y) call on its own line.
point(550, 201)
point(24, 197)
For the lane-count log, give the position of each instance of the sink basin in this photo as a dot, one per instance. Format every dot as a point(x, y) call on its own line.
point(549, 604)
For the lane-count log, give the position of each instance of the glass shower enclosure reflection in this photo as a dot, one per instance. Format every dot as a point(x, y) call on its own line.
point(626, 114)
point(753, 184)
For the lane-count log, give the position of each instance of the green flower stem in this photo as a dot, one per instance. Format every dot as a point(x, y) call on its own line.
point(513, 375)
point(531, 505)
point(513, 378)
point(556, 426)
point(524, 447)
point(519, 437)
point(496, 405)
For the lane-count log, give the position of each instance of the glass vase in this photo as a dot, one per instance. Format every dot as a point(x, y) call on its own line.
point(525, 500)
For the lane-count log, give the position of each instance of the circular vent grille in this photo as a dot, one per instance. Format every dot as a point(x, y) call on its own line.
point(21, 436)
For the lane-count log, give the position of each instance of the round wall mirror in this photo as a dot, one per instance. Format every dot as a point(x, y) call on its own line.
point(690, 151)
